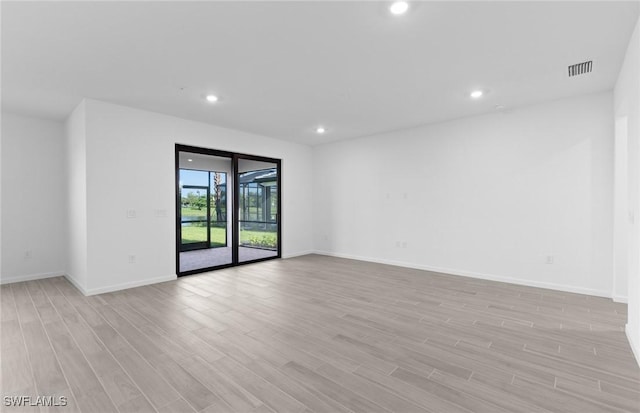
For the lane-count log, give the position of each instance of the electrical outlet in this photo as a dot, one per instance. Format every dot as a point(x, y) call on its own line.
point(131, 213)
point(550, 259)
point(132, 259)
point(160, 213)
point(404, 244)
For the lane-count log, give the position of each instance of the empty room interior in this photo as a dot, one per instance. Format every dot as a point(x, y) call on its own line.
point(320, 206)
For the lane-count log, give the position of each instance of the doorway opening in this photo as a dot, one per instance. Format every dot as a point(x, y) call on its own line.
point(210, 186)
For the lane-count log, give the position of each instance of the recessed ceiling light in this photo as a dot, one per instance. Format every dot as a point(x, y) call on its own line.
point(212, 98)
point(399, 7)
point(320, 130)
point(476, 94)
point(189, 160)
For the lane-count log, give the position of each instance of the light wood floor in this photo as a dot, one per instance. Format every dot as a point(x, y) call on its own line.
point(317, 334)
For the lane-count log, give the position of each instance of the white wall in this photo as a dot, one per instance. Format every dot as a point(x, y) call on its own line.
point(75, 157)
point(130, 165)
point(33, 208)
point(490, 196)
point(627, 112)
point(1, 204)
point(621, 227)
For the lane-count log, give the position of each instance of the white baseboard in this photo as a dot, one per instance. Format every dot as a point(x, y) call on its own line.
point(298, 254)
point(471, 274)
point(124, 286)
point(452, 271)
point(30, 277)
point(75, 284)
point(634, 346)
point(619, 298)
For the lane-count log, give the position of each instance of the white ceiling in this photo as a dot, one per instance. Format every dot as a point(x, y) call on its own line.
point(282, 68)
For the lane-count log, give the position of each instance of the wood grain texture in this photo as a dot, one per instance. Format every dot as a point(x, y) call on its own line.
point(317, 334)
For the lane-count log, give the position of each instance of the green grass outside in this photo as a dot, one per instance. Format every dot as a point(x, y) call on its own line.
point(264, 239)
point(192, 234)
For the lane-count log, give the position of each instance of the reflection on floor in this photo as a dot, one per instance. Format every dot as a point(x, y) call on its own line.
point(193, 260)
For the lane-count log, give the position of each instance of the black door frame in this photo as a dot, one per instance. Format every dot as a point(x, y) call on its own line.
point(236, 204)
point(235, 235)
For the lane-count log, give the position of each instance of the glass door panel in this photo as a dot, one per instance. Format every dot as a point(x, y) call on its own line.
point(194, 218)
point(258, 212)
point(202, 214)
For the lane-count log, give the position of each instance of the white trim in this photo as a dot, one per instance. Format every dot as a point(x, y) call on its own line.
point(30, 277)
point(297, 254)
point(634, 348)
point(472, 274)
point(124, 286)
point(619, 298)
point(75, 284)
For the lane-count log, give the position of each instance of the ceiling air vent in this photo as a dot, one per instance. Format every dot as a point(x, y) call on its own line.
point(580, 68)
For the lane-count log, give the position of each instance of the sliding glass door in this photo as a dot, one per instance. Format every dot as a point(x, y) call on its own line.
point(258, 216)
point(227, 209)
point(202, 204)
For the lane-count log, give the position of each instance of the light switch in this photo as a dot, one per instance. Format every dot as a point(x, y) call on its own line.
point(131, 213)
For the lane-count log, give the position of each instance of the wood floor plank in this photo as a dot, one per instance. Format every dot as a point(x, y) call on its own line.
point(81, 377)
point(372, 392)
point(8, 309)
point(556, 400)
point(157, 390)
point(223, 386)
point(579, 388)
point(49, 378)
point(15, 369)
point(315, 402)
point(194, 392)
point(269, 394)
point(497, 395)
point(450, 394)
point(319, 334)
point(421, 397)
point(115, 381)
point(179, 406)
point(320, 384)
